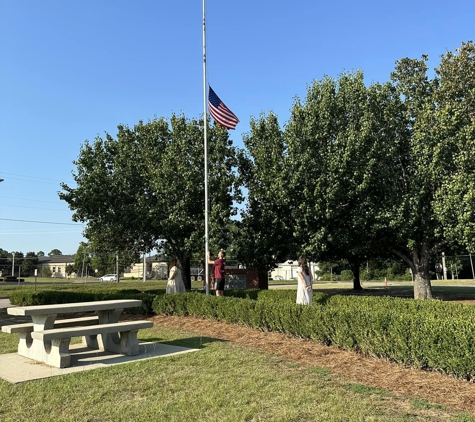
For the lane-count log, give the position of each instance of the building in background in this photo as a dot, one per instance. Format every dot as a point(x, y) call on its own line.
point(57, 265)
point(156, 268)
point(288, 270)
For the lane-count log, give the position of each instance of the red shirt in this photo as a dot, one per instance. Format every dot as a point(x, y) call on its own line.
point(219, 268)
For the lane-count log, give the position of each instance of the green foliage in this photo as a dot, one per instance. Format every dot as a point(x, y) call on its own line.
point(46, 272)
point(428, 335)
point(89, 257)
point(380, 269)
point(29, 264)
point(264, 387)
point(263, 172)
point(69, 269)
point(159, 203)
point(346, 275)
point(367, 170)
point(436, 206)
point(28, 297)
point(342, 140)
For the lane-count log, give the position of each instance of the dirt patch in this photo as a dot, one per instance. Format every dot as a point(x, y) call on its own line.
point(434, 387)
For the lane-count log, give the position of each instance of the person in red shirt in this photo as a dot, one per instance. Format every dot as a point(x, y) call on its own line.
point(218, 273)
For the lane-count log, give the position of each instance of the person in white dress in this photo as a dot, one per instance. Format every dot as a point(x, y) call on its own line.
point(305, 281)
point(175, 279)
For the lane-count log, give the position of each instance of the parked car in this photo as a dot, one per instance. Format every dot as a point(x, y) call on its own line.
point(108, 277)
point(278, 277)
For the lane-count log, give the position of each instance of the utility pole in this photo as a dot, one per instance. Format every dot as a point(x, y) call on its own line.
point(471, 264)
point(117, 265)
point(82, 267)
point(144, 268)
point(444, 269)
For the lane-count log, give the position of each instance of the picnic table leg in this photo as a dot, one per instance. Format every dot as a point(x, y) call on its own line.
point(31, 348)
point(91, 341)
point(129, 344)
point(57, 353)
point(24, 343)
point(111, 341)
point(43, 322)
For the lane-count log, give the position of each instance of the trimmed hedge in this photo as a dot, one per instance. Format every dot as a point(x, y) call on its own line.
point(423, 334)
point(45, 297)
point(257, 294)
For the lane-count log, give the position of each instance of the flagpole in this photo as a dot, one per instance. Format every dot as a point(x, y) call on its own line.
point(205, 126)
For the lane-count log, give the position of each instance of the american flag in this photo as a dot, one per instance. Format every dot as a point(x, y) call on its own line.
point(220, 113)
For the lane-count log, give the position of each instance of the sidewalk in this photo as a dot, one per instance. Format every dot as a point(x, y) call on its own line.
point(5, 303)
point(6, 319)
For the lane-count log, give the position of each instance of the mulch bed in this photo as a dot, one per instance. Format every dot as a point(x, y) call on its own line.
point(354, 367)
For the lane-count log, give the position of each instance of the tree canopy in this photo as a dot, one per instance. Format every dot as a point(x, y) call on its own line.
point(342, 142)
point(264, 234)
point(145, 189)
point(370, 170)
point(360, 171)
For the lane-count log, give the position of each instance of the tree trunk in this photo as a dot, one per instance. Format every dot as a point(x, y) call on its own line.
point(185, 270)
point(422, 286)
point(355, 268)
point(419, 262)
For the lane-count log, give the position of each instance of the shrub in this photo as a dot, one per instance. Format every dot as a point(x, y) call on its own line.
point(428, 335)
point(424, 334)
point(27, 297)
point(46, 272)
point(346, 275)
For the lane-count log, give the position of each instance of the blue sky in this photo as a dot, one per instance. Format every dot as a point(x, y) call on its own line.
point(72, 70)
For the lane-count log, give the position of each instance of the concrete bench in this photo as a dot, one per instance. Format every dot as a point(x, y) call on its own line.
point(60, 323)
point(47, 339)
point(56, 341)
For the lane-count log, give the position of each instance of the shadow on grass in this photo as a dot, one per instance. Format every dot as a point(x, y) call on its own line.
point(189, 342)
point(445, 293)
point(6, 319)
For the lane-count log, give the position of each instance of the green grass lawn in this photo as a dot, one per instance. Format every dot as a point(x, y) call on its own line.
point(221, 382)
point(7, 289)
point(444, 290)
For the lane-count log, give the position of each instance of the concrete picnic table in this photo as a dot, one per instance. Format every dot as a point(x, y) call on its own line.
point(37, 340)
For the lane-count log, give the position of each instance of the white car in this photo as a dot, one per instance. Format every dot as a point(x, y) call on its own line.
point(108, 277)
point(278, 277)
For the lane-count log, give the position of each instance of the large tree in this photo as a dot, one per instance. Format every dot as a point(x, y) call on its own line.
point(264, 235)
point(90, 258)
point(17, 259)
point(4, 261)
point(343, 141)
point(29, 264)
point(145, 189)
point(378, 169)
point(437, 203)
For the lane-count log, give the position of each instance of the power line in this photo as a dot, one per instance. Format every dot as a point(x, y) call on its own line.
point(28, 199)
point(35, 233)
point(32, 177)
point(41, 222)
point(39, 231)
point(34, 181)
point(33, 208)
